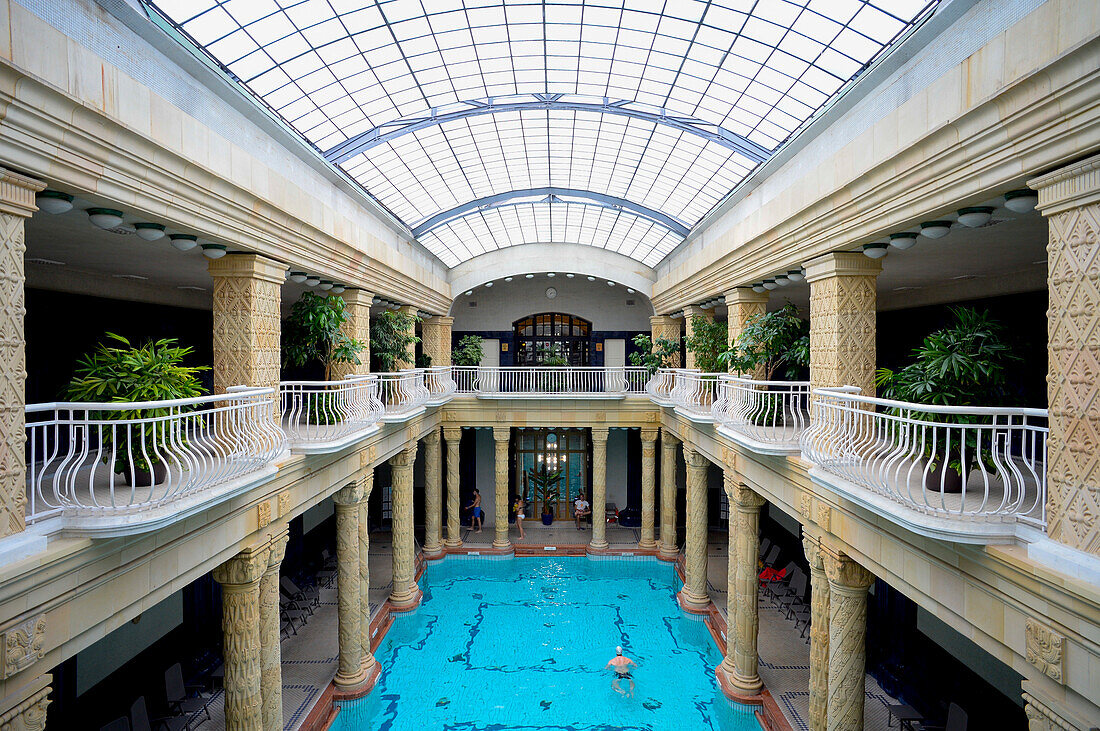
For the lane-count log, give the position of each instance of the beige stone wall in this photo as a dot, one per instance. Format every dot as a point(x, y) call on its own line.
point(742, 304)
point(843, 320)
point(356, 326)
point(436, 334)
point(247, 322)
point(667, 328)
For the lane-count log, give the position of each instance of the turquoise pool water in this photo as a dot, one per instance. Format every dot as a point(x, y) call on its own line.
point(522, 644)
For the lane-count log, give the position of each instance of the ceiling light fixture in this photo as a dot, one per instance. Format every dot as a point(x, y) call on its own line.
point(975, 216)
point(529, 276)
point(326, 284)
point(1018, 201)
point(758, 288)
point(338, 289)
point(300, 277)
point(770, 284)
point(629, 290)
point(469, 292)
point(934, 229)
point(488, 285)
point(507, 279)
point(105, 217)
point(591, 279)
point(782, 280)
point(213, 251)
point(149, 231)
point(551, 274)
point(610, 284)
point(906, 240)
point(312, 280)
point(184, 242)
point(875, 251)
point(54, 201)
point(570, 276)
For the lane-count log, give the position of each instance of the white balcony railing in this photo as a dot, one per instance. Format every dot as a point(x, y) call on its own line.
point(117, 468)
point(439, 381)
point(558, 381)
point(766, 416)
point(660, 384)
point(986, 465)
point(403, 393)
point(320, 416)
point(465, 378)
point(693, 393)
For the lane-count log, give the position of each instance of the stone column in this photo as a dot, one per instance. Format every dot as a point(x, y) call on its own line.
point(693, 596)
point(240, 580)
point(453, 437)
point(742, 304)
point(16, 205)
point(357, 326)
point(246, 320)
point(409, 360)
point(742, 610)
point(1070, 199)
point(848, 585)
point(349, 669)
point(662, 326)
point(433, 495)
point(819, 633)
point(649, 478)
point(436, 335)
point(669, 548)
point(690, 313)
point(367, 484)
point(26, 707)
point(599, 490)
point(842, 320)
point(271, 660)
point(405, 592)
point(501, 436)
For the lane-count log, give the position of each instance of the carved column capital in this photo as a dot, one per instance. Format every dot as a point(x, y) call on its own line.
point(366, 482)
point(405, 458)
point(649, 436)
point(694, 458)
point(502, 434)
point(29, 714)
point(669, 440)
point(17, 193)
point(348, 496)
point(599, 433)
point(745, 499)
point(243, 569)
point(845, 575)
point(452, 433)
point(431, 438)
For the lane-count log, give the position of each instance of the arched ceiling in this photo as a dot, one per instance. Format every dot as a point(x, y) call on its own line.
point(451, 112)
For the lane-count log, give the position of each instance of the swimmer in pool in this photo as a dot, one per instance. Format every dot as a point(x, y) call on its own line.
point(621, 664)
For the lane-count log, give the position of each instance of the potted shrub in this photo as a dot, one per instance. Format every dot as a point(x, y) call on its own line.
point(654, 354)
point(468, 351)
point(963, 364)
point(128, 374)
point(391, 334)
point(544, 484)
point(707, 341)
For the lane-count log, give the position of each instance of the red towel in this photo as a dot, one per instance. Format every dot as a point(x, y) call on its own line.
point(772, 574)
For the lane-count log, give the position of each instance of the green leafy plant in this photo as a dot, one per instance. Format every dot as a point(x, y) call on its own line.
point(391, 334)
point(706, 342)
point(312, 332)
point(654, 355)
point(128, 374)
point(769, 342)
point(423, 360)
point(544, 486)
point(468, 351)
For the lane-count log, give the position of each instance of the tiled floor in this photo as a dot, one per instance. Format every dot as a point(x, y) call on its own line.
point(309, 658)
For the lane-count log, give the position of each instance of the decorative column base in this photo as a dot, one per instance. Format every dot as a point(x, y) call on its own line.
point(668, 553)
point(692, 602)
point(736, 689)
point(407, 600)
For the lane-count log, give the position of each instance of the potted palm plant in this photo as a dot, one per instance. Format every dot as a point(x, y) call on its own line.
point(128, 374)
point(544, 484)
point(391, 334)
point(654, 354)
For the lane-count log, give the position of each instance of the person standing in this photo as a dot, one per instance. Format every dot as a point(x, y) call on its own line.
point(521, 507)
point(476, 511)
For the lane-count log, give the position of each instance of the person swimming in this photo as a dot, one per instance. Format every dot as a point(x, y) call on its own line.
point(621, 664)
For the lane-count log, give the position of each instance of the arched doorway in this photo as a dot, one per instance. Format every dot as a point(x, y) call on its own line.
point(552, 335)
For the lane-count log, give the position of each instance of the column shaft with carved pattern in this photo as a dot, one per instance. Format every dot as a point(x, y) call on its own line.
point(357, 304)
point(848, 585)
point(669, 547)
point(28, 713)
point(349, 668)
point(501, 436)
point(453, 437)
point(240, 580)
point(246, 320)
point(367, 483)
point(436, 337)
point(649, 479)
point(819, 634)
point(271, 661)
point(405, 592)
point(690, 313)
point(16, 205)
point(741, 664)
point(742, 304)
point(667, 328)
point(599, 489)
point(694, 594)
point(410, 353)
point(843, 320)
point(433, 494)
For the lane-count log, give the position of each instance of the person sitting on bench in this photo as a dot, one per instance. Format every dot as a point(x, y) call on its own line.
point(581, 510)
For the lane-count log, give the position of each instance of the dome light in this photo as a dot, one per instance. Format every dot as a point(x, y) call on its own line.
point(149, 231)
point(488, 285)
point(213, 251)
point(184, 242)
point(54, 201)
point(934, 229)
point(529, 276)
point(326, 284)
point(300, 277)
point(770, 284)
point(105, 217)
point(629, 290)
point(507, 279)
point(469, 292)
point(591, 279)
point(875, 251)
point(377, 301)
point(338, 288)
point(312, 280)
point(906, 239)
point(975, 216)
point(758, 288)
point(610, 284)
point(781, 280)
point(1017, 201)
point(551, 274)
point(569, 276)
point(796, 275)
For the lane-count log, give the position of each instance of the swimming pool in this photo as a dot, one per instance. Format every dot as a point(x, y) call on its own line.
point(522, 643)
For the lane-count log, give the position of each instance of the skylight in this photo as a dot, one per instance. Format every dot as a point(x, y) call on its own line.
point(439, 106)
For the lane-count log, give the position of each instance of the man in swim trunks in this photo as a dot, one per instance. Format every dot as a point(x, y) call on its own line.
point(621, 665)
point(476, 512)
point(581, 510)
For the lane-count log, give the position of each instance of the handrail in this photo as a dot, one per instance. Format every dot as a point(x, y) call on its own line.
point(550, 381)
point(119, 459)
point(402, 393)
point(316, 413)
point(955, 461)
point(440, 383)
point(694, 392)
point(770, 413)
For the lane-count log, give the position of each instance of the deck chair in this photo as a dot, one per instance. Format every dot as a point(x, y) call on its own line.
point(139, 719)
point(791, 595)
point(180, 698)
point(956, 721)
point(307, 598)
point(772, 557)
point(765, 545)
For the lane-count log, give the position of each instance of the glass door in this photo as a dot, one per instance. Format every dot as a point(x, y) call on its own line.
point(556, 449)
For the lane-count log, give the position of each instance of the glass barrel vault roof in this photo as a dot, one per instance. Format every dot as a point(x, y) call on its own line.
point(483, 124)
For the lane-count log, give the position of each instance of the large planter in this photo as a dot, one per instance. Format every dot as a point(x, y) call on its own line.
point(146, 478)
point(547, 518)
point(944, 478)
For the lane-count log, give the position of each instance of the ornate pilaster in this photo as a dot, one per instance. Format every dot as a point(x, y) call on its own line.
point(742, 609)
point(367, 484)
point(819, 633)
point(848, 585)
point(433, 494)
point(690, 313)
point(649, 478)
point(1070, 199)
point(349, 669)
point(410, 357)
point(29, 714)
point(599, 489)
point(1042, 717)
point(357, 326)
point(453, 437)
point(669, 548)
point(436, 338)
point(240, 580)
point(501, 436)
point(271, 662)
point(742, 304)
point(843, 320)
point(246, 320)
point(662, 326)
point(405, 592)
point(694, 594)
point(16, 205)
